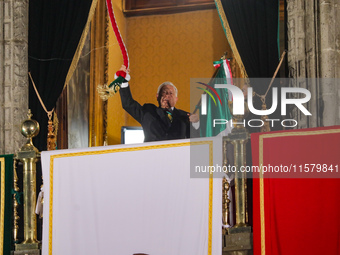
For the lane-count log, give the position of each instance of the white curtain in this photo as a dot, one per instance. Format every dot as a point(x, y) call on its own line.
point(130, 199)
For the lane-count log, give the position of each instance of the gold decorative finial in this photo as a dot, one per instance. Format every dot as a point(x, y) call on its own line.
point(29, 114)
point(105, 91)
point(29, 129)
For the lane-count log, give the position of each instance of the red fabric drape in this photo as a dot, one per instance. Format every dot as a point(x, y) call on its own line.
point(297, 213)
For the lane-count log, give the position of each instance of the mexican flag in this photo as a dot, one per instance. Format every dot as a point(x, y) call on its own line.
point(215, 101)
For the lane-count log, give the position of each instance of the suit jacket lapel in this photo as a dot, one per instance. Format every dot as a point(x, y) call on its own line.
point(176, 116)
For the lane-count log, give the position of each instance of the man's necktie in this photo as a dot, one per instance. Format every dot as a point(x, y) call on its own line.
point(169, 115)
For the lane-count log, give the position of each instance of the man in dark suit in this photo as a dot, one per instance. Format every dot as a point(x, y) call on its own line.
point(164, 122)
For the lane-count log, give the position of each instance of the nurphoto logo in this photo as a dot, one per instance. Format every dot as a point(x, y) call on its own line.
point(239, 99)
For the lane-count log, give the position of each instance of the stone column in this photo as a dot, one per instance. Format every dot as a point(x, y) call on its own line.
point(13, 72)
point(314, 52)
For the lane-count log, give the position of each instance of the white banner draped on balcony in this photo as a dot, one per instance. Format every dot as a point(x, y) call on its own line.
point(129, 199)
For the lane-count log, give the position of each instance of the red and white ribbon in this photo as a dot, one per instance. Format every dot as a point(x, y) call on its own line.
point(117, 33)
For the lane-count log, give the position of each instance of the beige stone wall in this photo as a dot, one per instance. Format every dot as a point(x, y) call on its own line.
point(314, 52)
point(13, 73)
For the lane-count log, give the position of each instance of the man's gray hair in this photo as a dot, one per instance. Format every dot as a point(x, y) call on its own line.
point(167, 83)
